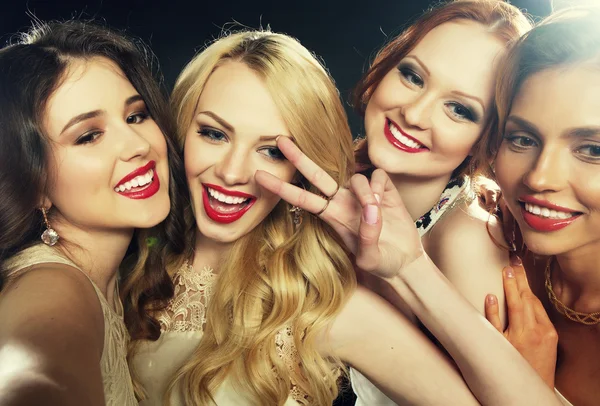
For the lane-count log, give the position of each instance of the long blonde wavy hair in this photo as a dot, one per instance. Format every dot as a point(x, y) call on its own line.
point(276, 277)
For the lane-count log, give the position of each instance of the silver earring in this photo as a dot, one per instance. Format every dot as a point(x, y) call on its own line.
point(49, 236)
point(297, 212)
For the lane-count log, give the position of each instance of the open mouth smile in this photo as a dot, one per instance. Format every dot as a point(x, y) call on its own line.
point(225, 206)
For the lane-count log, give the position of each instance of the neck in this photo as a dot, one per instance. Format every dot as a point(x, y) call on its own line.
point(576, 279)
point(209, 252)
point(418, 194)
point(98, 252)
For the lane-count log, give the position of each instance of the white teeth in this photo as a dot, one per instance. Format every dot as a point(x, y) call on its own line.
point(223, 198)
point(138, 181)
point(404, 140)
point(545, 212)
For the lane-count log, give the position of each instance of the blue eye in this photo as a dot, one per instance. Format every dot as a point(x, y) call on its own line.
point(273, 153)
point(411, 77)
point(212, 134)
point(461, 112)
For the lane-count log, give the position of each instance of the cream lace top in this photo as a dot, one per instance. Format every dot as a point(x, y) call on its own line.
point(118, 388)
point(182, 323)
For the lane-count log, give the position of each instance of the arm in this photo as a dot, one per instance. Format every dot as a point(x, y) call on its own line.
point(51, 339)
point(380, 232)
point(371, 336)
point(462, 249)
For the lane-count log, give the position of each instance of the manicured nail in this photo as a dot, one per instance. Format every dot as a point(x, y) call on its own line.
point(370, 214)
point(510, 273)
point(377, 197)
point(491, 299)
point(515, 260)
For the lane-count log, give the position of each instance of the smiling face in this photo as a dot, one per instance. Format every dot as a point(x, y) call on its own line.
point(425, 116)
point(548, 164)
point(108, 160)
point(232, 136)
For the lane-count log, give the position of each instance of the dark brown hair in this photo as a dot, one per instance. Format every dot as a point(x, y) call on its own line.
point(503, 20)
point(30, 71)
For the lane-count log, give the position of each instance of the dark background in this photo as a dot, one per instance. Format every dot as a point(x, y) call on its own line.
point(345, 34)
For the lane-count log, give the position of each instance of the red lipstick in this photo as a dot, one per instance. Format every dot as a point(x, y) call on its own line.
point(145, 191)
point(395, 142)
point(228, 217)
point(546, 224)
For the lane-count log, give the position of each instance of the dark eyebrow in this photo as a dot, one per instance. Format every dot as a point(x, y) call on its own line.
point(419, 62)
point(91, 114)
point(81, 117)
point(133, 99)
point(584, 132)
point(524, 124)
point(219, 120)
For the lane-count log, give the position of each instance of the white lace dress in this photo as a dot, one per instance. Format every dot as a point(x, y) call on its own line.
point(182, 324)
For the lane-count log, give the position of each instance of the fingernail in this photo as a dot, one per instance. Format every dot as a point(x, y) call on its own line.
point(370, 214)
point(510, 273)
point(515, 260)
point(377, 197)
point(491, 299)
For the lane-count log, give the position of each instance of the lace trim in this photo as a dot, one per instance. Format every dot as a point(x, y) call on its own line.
point(187, 310)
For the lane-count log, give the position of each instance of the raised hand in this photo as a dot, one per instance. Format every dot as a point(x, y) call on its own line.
point(529, 329)
point(369, 216)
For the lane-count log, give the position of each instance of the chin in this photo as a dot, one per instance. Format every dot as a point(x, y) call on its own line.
point(544, 245)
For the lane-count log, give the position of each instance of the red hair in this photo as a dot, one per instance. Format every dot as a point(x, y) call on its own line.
point(503, 20)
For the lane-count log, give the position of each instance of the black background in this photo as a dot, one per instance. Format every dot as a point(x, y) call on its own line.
point(345, 34)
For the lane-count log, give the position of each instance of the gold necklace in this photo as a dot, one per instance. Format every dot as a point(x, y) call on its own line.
point(584, 318)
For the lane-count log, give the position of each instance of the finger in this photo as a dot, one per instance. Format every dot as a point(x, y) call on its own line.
point(294, 195)
point(389, 190)
point(368, 254)
point(492, 312)
point(378, 182)
point(311, 171)
point(527, 297)
point(513, 298)
point(359, 185)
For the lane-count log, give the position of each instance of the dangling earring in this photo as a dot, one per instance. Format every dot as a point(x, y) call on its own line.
point(49, 236)
point(297, 211)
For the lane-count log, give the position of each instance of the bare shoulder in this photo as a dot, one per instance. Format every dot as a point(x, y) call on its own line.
point(52, 337)
point(467, 245)
point(51, 293)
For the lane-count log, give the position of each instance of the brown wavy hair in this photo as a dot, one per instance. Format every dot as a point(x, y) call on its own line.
point(30, 71)
point(503, 20)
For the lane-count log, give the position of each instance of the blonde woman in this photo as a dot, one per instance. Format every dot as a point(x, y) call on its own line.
point(266, 307)
point(269, 291)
